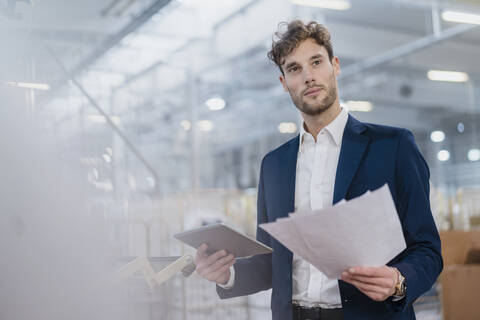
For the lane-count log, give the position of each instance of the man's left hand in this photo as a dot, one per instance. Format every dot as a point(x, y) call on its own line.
point(378, 283)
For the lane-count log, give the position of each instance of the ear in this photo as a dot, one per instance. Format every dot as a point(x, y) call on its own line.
point(284, 84)
point(336, 65)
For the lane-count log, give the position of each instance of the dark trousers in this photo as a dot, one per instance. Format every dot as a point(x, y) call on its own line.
point(302, 313)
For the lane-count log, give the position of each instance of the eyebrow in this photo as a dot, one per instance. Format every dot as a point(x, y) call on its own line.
point(316, 56)
point(291, 64)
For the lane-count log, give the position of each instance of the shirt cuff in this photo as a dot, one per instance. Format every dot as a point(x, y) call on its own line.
point(398, 298)
point(231, 281)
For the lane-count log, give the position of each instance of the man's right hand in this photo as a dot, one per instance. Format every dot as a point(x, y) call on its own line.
point(214, 267)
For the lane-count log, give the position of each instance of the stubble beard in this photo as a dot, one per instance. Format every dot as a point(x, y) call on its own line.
point(315, 108)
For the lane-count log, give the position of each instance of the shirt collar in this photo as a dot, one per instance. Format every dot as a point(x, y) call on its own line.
point(334, 128)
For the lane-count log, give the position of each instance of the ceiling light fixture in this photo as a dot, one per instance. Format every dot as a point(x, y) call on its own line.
point(474, 154)
point(326, 4)
point(362, 106)
point(29, 85)
point(451, 76)
point(186, 125)
point(443, 155)
point(215, 103)
point(460, 17)
point(205, 125)
point(437, 136)
point(287, 127)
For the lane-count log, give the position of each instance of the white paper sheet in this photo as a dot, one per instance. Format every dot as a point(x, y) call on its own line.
point(364, 231)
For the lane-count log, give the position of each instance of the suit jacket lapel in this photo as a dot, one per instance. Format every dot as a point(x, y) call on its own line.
point(287, 167)
point(351, 153)
point(288, 170)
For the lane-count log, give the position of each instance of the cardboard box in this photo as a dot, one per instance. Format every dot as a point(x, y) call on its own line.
point(460, 278)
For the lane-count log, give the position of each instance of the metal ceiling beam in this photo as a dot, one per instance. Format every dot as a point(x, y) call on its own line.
point(427, 4)
point(109, 120)
point(156, 64)
point(110, 42)
point(241, 10)
point(191, 41)
point(404, 50)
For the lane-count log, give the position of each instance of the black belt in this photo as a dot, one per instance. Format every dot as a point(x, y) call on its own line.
point(316, 313)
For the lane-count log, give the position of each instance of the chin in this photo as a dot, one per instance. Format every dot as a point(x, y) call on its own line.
point(316, 110)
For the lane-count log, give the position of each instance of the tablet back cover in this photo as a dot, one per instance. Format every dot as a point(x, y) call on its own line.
point(222, 237)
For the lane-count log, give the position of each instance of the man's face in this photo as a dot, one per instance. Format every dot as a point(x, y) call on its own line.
point(310, 77)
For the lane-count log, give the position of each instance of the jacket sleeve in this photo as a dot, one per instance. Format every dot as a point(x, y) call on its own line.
point(421, 262)
point(253, 274)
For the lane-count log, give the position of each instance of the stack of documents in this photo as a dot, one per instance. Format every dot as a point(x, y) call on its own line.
point(364, 231)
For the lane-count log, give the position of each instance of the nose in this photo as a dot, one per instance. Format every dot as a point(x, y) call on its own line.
point(308, 76)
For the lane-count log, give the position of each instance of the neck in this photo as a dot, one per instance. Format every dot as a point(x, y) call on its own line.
point(314, 124)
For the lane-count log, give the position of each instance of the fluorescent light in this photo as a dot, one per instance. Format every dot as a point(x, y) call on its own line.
point(452, 76)
point(327, 4)
point(29, 85)
point(215, 103)
point(460, 17)
point(474, 154)
point(362, 106)
point(186, 125)
point(287, 127)
point(437, 136)
point(205, 125)
point(443, 155)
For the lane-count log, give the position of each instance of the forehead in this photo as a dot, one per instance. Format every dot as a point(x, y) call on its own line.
point(305, 50)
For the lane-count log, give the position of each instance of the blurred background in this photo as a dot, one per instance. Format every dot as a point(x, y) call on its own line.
point(132, 120)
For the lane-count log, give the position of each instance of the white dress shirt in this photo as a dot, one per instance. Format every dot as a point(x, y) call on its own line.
point(317, 163)
point(315, 179)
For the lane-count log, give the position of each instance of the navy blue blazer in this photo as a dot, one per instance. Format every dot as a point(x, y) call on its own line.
point(370, 156)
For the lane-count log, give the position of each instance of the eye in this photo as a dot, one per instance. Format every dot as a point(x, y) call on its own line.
point(317, 62)
point(293, 69)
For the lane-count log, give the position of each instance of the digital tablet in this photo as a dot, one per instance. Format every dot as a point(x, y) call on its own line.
point(222, 237)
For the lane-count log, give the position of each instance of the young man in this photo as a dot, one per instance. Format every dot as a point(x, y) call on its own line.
point(335, 157)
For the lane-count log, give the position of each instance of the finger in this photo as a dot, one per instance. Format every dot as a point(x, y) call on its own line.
point(383, 282)
point(199, 258)
point(376, 272)
point(201, 252)
point(205, 263)
point(384, 292)
point(218, 274)
point(375, 296)
point(219, 264)
point(217, 270)
point(366, 286)
point(221, 273)
point(211, 259)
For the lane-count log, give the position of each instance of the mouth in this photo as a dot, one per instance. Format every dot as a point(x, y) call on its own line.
point(312, 91)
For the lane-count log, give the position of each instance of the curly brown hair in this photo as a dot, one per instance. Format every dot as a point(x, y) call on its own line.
point(297, 32)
